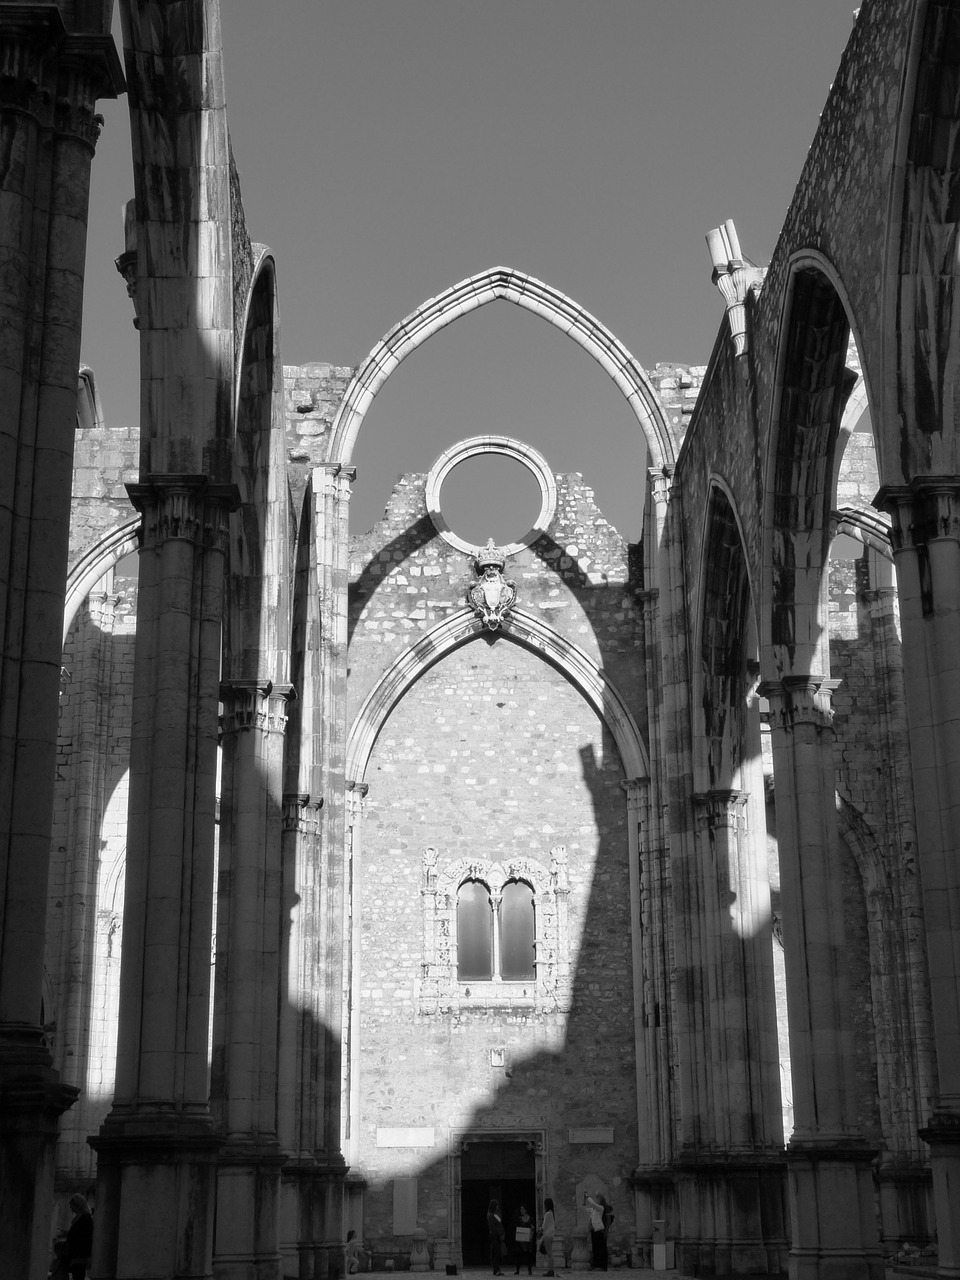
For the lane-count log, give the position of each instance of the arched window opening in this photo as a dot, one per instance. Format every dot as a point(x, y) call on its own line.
point(496, 933)
point(474, 932)
point(517, 932)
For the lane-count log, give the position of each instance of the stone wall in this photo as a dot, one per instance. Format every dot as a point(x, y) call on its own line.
point(493, 756)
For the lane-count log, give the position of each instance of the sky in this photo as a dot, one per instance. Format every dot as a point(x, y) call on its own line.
point(388, 149)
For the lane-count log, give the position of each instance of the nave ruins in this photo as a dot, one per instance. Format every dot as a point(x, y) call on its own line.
point(353, 879)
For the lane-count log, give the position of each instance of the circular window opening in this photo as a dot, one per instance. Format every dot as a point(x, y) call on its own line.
point(490, 495)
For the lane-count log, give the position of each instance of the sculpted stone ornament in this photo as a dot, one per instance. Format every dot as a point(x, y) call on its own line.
point(493, 596)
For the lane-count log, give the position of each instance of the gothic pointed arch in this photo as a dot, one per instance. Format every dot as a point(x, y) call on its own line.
point(725, 626)
point(533, 295)
point(813, 385)
point(924, 319)
point(258, 574)
point(524, 629)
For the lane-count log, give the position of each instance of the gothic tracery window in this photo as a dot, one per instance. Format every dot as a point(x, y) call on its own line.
point(496, 933)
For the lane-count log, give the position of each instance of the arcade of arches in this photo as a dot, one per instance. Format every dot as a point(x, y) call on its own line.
point(352, 879)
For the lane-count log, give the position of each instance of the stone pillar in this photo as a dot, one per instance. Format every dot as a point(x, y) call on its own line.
point(246, 1017)
point(49, 85)
point(926, 540)
point(301, 1035)
point(652, 1180)
point(731, 1183)
point(832, 1204)
point(332, 488)
point(356, 792)
point(157, 1148)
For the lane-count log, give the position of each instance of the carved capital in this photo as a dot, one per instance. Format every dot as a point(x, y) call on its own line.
point(32, 36)
point(925, 509)
point(735, 278)
point(337, 479)
point(249, 704)
point(660, 482)
point(796, 700)
point(356, 793)
point(184, 508)
point(721, 808)
point(300, 813)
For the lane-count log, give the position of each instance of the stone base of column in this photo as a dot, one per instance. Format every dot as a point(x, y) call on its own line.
point(247, 1241)
point(943, 1136)
point(156, 1187)
point(32, 1100)
point(732, 1215)
point(653, 1195)
point(312, 1234)
point(906, 1205)
point(833, 1213)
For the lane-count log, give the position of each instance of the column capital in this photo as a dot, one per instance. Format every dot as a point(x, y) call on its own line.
point(89, 69)
point(800, 699)
point(660, 484)
point(637, 791)
point(926, 508)
point(254, 704)
point(300, 813)
point(185, 508)
point(720, 807)
point(337, 478)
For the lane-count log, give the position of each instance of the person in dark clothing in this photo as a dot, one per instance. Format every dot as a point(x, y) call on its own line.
point(78, 1245)
point(497, 1236)
point(523, 1241)
point(598, 1237)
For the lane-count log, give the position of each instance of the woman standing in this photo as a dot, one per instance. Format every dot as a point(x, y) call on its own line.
point(548, 1229)
point(497, 1235)
point(598, 1237)
point(523, 1241)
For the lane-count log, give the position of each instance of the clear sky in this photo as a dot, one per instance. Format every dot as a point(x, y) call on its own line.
point(388, 149)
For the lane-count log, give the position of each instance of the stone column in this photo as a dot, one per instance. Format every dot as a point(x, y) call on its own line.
point(739, 1168)
point(49, 85)
point(332, 489)
point(246, 1017)
point(157, 1148)
point(652, 1179)
point(301, 1034)
point(926, 540)
point(313, 1178)
point(833, 1213)
point(356, 793)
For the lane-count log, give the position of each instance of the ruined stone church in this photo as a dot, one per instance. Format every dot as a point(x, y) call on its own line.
point(350, 880)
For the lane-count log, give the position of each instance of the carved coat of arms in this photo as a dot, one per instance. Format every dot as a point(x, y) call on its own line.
point(493, 595)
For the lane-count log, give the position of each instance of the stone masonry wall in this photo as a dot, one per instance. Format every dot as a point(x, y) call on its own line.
point(492, 754)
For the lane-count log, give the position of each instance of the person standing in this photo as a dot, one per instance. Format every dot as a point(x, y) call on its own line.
point(523, 1241)
point(497, 1236)
point(548, 1229)
point(598, 1236)
point(78, 1245)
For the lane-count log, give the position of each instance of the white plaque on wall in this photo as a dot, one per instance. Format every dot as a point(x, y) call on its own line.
point(590, 1135)
point(406, 1137)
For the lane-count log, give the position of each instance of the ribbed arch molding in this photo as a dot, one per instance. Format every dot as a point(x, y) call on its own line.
point(533, 295)
point(93, 564)
point(524, 629)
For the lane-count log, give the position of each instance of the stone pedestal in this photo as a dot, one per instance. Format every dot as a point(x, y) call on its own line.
point(419, 1253)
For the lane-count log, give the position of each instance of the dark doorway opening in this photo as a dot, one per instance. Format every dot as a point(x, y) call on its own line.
point(502, 1171)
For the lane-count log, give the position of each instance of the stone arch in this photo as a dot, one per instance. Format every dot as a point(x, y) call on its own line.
point(813, 386)
point(94, 563)
point(258, 588)
point(525, 291)
point(524, 629)
point(924, 306)
point(725, 625)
